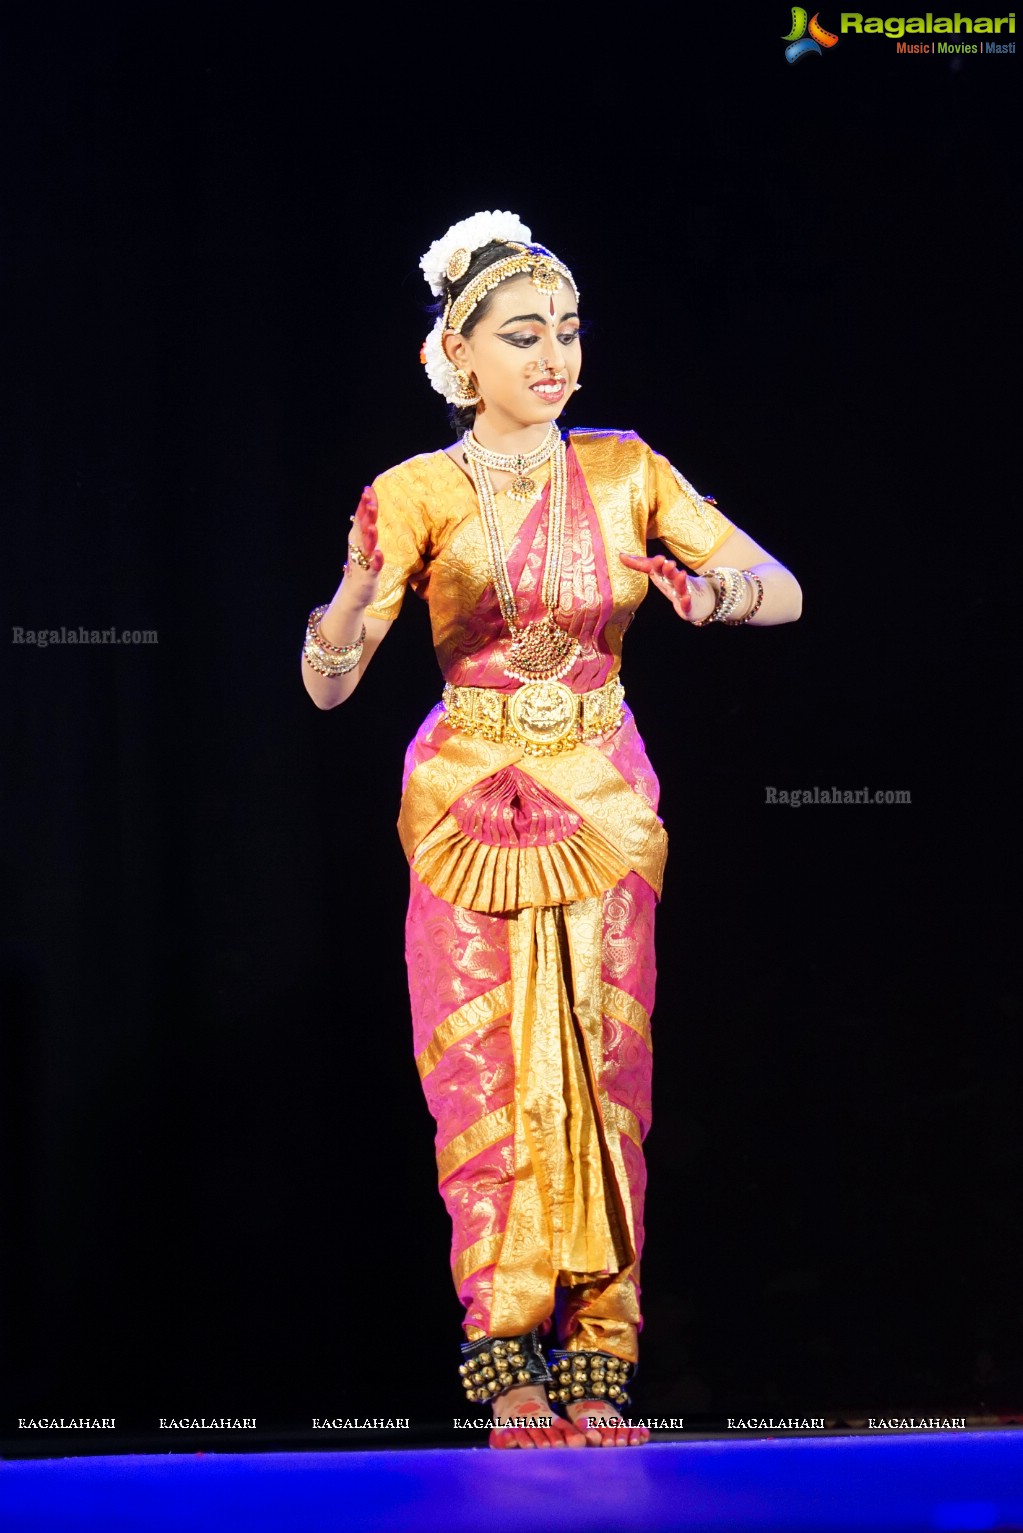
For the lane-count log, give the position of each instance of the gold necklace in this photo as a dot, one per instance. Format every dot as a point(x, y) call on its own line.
point(542, 650)
point(518, 463)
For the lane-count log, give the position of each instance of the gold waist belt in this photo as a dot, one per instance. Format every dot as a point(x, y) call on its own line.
point(543, 717)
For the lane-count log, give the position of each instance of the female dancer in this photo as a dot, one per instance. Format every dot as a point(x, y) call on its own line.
point(529, 818)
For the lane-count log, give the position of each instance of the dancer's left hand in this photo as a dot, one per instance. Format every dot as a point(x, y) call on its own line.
point(675, 583)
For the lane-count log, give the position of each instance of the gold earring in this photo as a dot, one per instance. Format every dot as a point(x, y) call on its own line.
point(466, 392)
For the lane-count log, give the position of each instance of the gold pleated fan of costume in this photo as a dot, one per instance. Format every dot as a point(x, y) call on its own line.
point(478, 876)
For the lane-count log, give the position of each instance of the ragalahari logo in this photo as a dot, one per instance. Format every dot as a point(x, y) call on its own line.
point(799, 43)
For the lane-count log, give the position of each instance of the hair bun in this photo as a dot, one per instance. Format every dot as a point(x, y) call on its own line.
point(442, 261)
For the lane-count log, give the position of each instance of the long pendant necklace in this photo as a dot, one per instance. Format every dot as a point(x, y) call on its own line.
point(518, 463)
point(542, 650)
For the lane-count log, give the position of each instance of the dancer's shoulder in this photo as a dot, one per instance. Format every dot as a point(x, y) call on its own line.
point(420, 473)
point(614, 447)
point(601, 434)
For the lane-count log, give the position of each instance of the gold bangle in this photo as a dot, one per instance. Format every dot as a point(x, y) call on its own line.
point(701, 622)
point(325, 658)
point(753, 577)
point(329, 665)
point(736, 587)
point(334, 649)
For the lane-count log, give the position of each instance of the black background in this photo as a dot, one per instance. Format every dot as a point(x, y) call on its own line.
point(221, 1192)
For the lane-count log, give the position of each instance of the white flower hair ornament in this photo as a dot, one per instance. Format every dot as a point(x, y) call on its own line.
point(451, 256)
point(439, 370)
point(468, 235)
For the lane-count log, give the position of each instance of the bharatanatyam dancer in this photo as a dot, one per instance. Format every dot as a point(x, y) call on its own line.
point(529, 819)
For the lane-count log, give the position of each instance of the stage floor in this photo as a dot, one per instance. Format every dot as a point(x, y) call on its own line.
point(947, 1481)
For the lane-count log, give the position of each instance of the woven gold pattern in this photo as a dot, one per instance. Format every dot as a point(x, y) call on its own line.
point(584, 779)
point(502, 716)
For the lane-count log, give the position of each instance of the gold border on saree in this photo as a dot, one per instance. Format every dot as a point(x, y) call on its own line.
point(543, 717)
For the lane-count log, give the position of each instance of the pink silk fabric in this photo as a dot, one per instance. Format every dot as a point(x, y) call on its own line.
point(456, 955)
point(585, 606)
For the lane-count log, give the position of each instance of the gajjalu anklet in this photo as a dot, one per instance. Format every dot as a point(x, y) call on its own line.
point(496, 1363)
point(590, 1376)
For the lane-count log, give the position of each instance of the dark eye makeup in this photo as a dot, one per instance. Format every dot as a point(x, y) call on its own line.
point(520, 338)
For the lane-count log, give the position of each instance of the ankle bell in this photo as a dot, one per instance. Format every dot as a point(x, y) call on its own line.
point(496, 1363)
point(590, 1376)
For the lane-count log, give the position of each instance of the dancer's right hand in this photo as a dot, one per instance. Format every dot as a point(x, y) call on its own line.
point(362, 584)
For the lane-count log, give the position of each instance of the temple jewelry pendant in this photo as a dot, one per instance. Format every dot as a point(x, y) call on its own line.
point(521, 487)
point(541, 652)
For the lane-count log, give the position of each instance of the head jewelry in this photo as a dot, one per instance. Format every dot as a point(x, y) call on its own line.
point(451, 256)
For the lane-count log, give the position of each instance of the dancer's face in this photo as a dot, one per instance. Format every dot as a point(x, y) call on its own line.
point(505, 350)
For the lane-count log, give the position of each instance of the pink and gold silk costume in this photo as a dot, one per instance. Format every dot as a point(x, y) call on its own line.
point(534, 881)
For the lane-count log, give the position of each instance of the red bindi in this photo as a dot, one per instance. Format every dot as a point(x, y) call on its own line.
point(552, 305)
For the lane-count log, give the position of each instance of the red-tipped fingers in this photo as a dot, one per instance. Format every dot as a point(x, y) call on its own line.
point(366, 521)
point(364, 528)
point(679, 583)
point(644, 562)
point(666, 574)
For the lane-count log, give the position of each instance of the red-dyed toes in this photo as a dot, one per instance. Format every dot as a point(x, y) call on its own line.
point(516, 1437)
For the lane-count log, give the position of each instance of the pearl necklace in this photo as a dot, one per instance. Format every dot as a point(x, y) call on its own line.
point(542, 650)
point(518, 463)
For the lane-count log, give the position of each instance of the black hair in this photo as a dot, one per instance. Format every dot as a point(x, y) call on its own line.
point(463, 417)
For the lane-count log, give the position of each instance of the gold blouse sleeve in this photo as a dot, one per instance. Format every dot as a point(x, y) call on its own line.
point(404, 533)
point(691, 527)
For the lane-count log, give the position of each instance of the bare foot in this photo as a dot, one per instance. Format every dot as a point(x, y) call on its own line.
point(530, 1401)
point(604, 1427)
